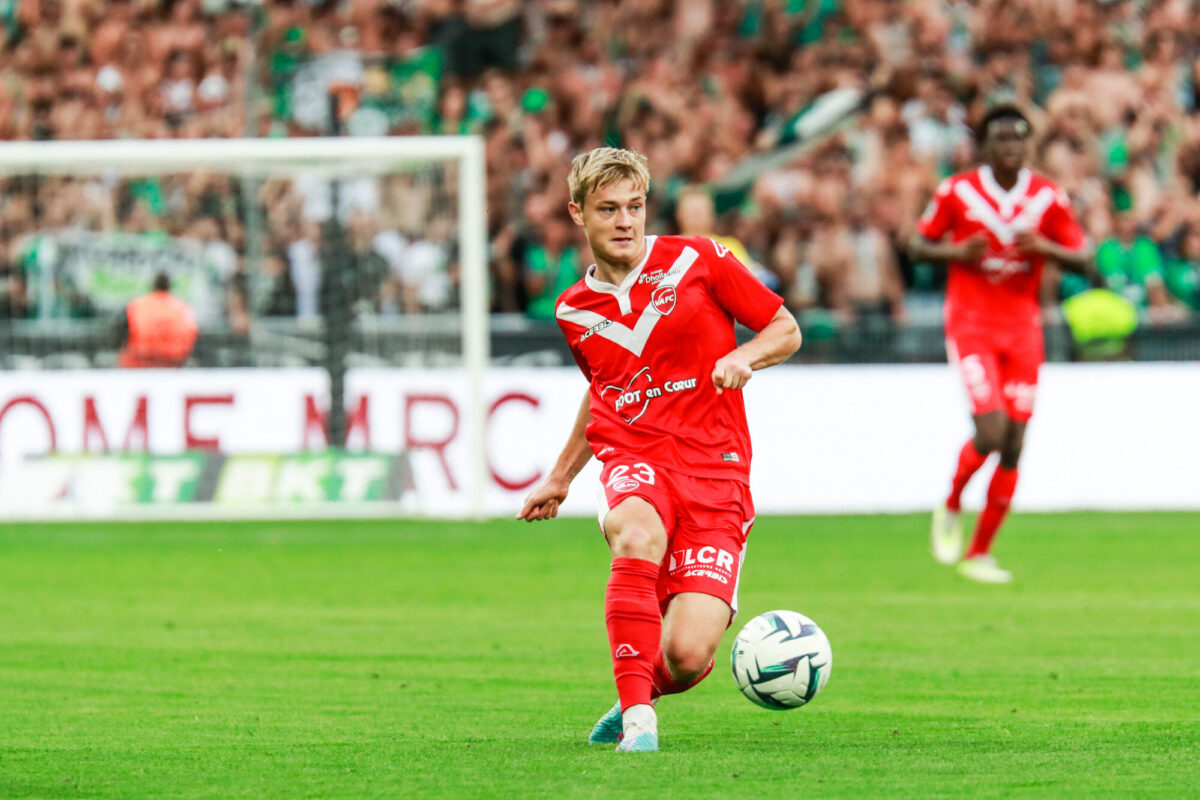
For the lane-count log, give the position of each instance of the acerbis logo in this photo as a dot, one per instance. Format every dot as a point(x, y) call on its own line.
point(599, 326)
point(625, 651)
point(663, 300)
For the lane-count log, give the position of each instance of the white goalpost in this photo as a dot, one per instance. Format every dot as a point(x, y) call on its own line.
point(419, 296)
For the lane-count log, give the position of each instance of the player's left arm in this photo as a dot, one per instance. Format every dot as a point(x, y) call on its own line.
point(771, 345)
point(1061, 238)
point(744, 297)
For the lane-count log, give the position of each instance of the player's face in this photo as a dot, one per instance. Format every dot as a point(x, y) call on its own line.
point(1006, 145)
point(614, 219)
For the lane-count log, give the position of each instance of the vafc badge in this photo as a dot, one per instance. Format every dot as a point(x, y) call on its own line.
point(663, 300)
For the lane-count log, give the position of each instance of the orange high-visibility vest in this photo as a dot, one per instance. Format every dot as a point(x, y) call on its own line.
point(162, 330)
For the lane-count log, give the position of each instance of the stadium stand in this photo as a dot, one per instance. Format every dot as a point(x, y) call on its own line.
point(707, 89)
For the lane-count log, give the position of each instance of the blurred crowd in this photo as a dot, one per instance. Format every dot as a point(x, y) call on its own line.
point(700, 86)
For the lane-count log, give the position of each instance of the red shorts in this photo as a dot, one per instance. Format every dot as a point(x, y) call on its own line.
point(706, 519)
point(998, 366)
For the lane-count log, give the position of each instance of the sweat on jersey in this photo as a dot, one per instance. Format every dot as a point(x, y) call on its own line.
point(1003, 287)
point(648, 348)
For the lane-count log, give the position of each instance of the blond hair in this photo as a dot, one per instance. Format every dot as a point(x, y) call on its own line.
point(605, 165)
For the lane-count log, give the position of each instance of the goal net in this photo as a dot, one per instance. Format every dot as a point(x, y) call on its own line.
point(339, 286)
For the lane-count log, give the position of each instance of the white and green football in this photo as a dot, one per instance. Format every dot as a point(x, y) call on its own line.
point(781, 660)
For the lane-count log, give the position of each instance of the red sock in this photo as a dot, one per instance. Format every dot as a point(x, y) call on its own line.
point(999, 496)
point(969, 461)
point(665, 684)
point(634, 627)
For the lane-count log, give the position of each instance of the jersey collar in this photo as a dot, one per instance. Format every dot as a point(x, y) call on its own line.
point(1007, 201)
point(620, 293)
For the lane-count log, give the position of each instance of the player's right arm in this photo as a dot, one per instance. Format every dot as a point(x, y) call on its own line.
point(929, 251)
point(925, 244)
point(543, 502)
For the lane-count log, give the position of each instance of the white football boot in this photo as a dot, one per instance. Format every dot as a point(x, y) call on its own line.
point(640, 734)
point(946, 535)
point(984, 569)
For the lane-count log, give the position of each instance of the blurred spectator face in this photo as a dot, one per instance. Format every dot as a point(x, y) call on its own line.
point(1191, 244)
point(1006, 144)
point(537, 210)
point(1111, 58)
point(69, 50)
point(453, 103)
point(556, 235)
point(695, 214)
point(1124, 226)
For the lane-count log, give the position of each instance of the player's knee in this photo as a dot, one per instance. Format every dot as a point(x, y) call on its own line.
point(988, 440)
point(638, 541)
point(687, 660)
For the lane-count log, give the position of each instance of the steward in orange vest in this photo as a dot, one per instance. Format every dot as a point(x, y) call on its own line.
point(162, 328)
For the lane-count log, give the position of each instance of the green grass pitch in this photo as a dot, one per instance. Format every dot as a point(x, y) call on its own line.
point(435, 660)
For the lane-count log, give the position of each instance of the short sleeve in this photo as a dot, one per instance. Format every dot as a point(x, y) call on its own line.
point(573, 344)
point(1060, 226)
point(938, 217)
point(735, 288)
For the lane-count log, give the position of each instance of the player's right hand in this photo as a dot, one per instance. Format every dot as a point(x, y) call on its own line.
point(543, 502)
point(972, 248)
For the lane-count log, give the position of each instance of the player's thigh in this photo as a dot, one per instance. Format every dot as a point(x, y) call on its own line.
point(693, 627)
point(636, 510)
point(708, 545)
point(1020, 365)
point(973, 354)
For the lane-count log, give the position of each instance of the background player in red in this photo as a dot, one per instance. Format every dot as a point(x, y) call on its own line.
point(652, 327)
point(1002, 222)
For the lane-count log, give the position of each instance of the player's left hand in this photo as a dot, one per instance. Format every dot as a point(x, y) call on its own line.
point(1030, 242)
point(731, 372)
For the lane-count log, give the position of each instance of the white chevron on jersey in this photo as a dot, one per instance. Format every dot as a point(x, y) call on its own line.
point(1005, 230)
point(632, 339)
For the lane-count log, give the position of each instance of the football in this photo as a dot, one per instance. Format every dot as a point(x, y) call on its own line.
point(781, 660)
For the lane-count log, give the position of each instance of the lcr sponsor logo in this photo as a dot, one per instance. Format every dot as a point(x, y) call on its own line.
point(703, 562)
point(708, 555)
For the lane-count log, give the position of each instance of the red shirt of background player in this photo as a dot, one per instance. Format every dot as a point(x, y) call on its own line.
point(647, 348)
point(1002, 221)
point(1000, 289)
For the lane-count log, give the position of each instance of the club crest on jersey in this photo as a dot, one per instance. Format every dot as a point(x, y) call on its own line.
point(663, 299)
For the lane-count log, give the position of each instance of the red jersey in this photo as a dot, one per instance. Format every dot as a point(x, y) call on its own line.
point(648, 348)
point(1003, 287)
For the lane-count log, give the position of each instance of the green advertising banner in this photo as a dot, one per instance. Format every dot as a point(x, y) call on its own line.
point(242, 481)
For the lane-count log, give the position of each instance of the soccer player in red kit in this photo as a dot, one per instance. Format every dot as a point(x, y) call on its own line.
point(1002, 222)
point(652, 327)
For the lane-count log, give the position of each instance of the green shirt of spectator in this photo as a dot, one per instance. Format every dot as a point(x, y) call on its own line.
point(547, 275)
point(1182, 272)
point(1183, 281)
point(1130, 265)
